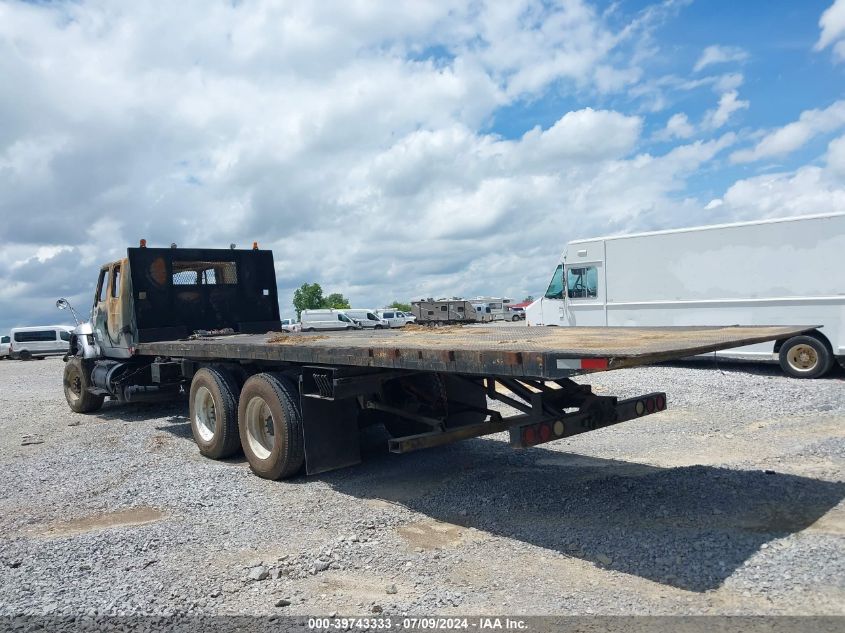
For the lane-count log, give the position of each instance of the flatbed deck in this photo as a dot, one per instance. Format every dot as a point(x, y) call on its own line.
point(541, 352)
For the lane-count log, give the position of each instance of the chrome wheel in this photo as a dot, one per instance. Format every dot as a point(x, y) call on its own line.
point(260, 431)
point(802, 358)
point(205, 412)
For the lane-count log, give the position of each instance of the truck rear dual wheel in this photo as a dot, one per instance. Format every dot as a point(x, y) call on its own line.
point(214, 412)
point(76, 380)
point(271, 426)
point(805, 357)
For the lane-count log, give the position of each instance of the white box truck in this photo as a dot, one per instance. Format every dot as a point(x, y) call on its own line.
point(771, 272)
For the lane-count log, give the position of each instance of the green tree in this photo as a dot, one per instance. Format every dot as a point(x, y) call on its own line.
point(337, 301)
point(403, 307)
point(528, 299)
point(308, 297)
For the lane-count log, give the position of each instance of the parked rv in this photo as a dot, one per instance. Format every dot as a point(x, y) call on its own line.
point(4, 346)
point(496, 307)
point(326, 319)
point(783, 271)
point(39, 341)
point(448, 311)
point(367, 318)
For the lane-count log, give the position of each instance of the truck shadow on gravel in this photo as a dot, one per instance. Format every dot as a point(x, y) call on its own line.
point(688, 527)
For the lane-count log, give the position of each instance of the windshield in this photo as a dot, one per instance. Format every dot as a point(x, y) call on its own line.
point(555, 290)
point(372, 317)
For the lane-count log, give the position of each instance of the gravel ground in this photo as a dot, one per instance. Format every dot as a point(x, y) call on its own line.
point(731, 502)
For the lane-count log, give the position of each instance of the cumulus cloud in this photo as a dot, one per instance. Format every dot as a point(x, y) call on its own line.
point(719, 55)
point(356, 140)
point(792, 136)
point(729, 103)
point(832, 25)
point(678, 126)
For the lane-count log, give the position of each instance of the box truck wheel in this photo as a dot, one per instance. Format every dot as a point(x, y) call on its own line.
point(805, 357)
point(214, 412)
point(77, 379)
point(271, 426)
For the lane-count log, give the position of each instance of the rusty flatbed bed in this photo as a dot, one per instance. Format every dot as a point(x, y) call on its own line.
point(540, 352)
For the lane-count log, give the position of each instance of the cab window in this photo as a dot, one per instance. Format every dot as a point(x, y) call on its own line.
point(372, 317)
point(555, 289)
point(115, 282)
point(582, 282)
point(102, 285)
point(65, 336)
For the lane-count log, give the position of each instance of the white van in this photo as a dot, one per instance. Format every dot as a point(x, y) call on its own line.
point(367, 318)
point(326, 319)
point(39, 341)
point(4, 346)
point(396, 318)
point(773, 272)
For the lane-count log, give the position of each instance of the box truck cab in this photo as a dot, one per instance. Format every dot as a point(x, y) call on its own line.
point(327, 319)
point(39, 341)
point(771, 272)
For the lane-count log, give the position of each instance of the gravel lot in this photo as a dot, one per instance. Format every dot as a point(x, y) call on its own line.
point(731, 502)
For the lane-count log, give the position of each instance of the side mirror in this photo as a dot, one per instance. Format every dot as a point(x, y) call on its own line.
point(64, 304)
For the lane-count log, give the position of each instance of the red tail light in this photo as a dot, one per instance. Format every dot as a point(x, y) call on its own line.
point(528, 436)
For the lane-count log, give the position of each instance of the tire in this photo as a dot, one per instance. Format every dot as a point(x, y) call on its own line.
point(271, 426)
point(213, 407)
point(515, 317)
point(377, 327)
point(805, 357)
point(25, 355)
point(308, 329)
point(76, 380)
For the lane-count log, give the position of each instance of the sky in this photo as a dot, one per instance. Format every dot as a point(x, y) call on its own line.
point(393, 151)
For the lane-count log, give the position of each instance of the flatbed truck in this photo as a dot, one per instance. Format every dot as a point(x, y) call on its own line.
point(205, 322)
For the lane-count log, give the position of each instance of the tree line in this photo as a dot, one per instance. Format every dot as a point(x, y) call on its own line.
point(310, 297)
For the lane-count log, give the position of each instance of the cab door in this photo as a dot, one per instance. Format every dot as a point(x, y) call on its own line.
point(585, 303)
point(110, 310)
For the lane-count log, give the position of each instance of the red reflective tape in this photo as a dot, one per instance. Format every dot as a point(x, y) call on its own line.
point(593, 363)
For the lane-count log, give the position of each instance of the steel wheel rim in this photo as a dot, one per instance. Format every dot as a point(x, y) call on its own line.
point(803, 358)
point(205, 412)
point(260, 428)
point(73, 385)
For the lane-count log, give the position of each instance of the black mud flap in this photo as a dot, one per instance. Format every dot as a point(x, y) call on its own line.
point(330, 429)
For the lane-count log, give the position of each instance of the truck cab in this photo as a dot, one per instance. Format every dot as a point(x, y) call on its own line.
point(111, 315)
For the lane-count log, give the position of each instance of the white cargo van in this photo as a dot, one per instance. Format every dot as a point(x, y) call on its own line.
point(326, 319)
point(4, 346)
point(367, 318)
point(788, 271)
point(39, 341)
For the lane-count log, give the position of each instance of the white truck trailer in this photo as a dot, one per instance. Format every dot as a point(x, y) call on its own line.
point(771, 272)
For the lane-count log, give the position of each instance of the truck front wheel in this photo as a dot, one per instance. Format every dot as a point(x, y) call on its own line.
point(77, 379)
point(805, 357)
point(271, 426)
point(214, 412)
